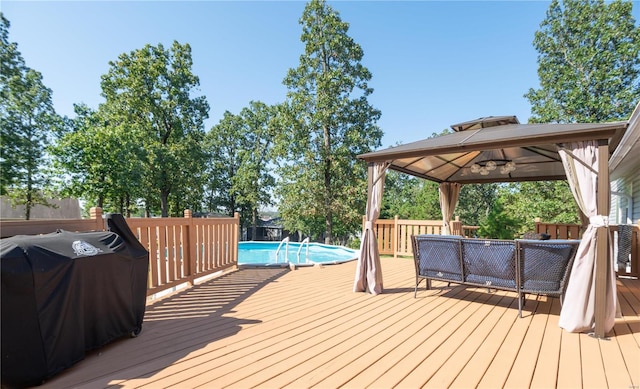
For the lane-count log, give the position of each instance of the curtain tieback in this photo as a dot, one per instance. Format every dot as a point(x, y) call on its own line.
point(599, 221)
point(368, 225)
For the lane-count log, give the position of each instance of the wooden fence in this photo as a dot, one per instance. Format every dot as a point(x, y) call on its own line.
point(574, 231)
point(394, 236)
point(181, 250)
point(559, 231)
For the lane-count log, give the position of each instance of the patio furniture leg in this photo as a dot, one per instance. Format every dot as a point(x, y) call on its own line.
point(520, 304)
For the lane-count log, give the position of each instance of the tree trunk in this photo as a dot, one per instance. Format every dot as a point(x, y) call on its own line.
point(328, 215)
point(254, 227)
point(128, 205)
point(164, 203)
point(27, 205)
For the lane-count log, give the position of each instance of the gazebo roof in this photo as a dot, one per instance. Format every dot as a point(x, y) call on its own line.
point(532, 147)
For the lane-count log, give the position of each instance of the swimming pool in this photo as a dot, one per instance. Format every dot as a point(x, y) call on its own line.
point(264, 254)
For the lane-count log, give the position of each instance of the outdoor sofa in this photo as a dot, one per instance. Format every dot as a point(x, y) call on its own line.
point(521, 265)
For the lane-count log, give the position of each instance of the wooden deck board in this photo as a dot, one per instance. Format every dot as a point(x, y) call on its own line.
point(305, 328)
point(593, 374)
point(436, 333)
point(546, 367)
point(441, 312)
point(569, 365)
point(459, 359)
point(501, 366)
point(529, 350)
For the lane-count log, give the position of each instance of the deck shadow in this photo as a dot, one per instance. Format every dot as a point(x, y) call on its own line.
point(397, 290)
point(473, 293)
point(173, 327)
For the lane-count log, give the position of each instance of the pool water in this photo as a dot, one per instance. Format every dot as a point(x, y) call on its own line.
point(264, 253)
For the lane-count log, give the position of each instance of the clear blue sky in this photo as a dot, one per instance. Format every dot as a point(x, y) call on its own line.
point(434, 63)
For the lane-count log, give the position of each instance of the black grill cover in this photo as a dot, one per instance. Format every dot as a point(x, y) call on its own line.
point(65, 293)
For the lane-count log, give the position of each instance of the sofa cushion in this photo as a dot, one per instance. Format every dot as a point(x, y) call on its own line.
point(489, 262)
point(438, 256)
point(545, 265)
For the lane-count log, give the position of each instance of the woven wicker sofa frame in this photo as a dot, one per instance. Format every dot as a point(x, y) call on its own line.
point(522, 266)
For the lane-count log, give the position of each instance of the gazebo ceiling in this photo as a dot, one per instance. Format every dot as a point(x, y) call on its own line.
point(531, 147)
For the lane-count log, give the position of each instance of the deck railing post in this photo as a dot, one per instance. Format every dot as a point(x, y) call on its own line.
point(191, 241)
point(395, 239)
point(236, 234)
point(456, 227)
point(538, 227)
point(95, 213)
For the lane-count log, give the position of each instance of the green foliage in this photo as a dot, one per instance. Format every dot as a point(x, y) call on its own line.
point(476, 202)
point(240, 150)
point(588, 63)
point(354, 243)
point(410, 198)
point(551, 201)
point(325, 123)
point(149, 92)
point(99, 162)
point(28, 123)
point(498, 224)
point(223, 143)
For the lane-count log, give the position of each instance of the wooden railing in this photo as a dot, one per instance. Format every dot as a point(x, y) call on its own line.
point(181, 250)
point(574, 231)
point(558, 230)
point(394, 236)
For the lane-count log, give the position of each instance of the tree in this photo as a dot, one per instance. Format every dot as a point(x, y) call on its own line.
point(254, 181)
point(150, 91)
point(240, 156)
point(410, 198)
point(498, 224)
point(589, 67)
point(588, 63)
point(222, 144)
point(28, 122)
point(551, 201)
point(476, 202)
point(328, 122)
point(99, 161)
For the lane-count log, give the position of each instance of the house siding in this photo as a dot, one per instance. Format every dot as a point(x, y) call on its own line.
point(621, 211)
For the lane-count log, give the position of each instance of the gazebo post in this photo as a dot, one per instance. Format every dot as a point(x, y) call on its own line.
point(602, 243)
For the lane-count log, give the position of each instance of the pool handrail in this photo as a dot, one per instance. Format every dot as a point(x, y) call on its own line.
point(286, 248)
point(306, 259)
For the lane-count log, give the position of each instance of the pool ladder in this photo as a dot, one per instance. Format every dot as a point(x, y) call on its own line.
point(285, 242)
point(306, 258)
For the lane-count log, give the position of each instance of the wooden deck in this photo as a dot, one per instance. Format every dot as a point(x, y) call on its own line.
point(274, 328)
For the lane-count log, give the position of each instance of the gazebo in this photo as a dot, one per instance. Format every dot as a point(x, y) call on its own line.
point(501, 149)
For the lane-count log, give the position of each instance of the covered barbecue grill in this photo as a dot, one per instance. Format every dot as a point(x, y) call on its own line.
point(65, 293)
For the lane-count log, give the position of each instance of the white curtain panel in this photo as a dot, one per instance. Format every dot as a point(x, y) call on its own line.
point(368, 270)
point(580, 162)
point(449, 193)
